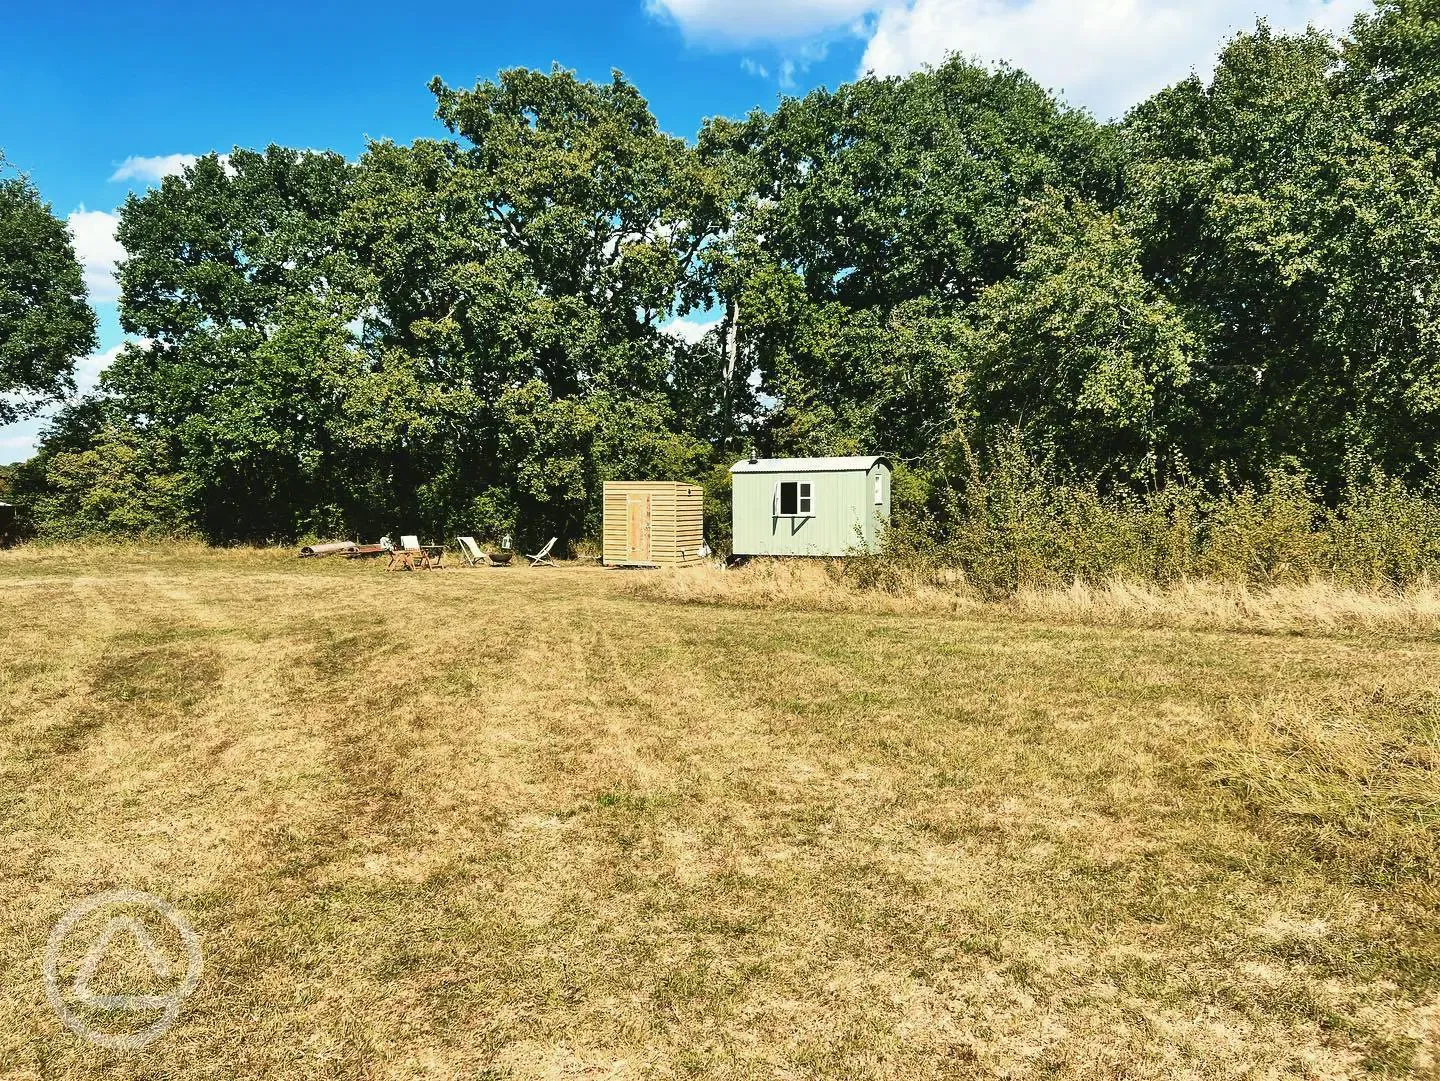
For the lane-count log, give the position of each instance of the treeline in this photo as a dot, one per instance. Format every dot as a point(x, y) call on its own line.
point(1235, 287)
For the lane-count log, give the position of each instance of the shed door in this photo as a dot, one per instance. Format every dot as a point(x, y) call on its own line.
point(637, 531)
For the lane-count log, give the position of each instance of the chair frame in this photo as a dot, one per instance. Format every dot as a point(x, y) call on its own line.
point(471, 553)
point(543, 558)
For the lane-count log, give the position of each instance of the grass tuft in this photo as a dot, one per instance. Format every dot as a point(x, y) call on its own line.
point(1353, 776)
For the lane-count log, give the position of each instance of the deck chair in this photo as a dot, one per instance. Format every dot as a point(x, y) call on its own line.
point(470, 552)
point(542, 559)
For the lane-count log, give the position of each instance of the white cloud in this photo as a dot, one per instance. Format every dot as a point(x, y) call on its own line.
point(690, 331)
point(88, 369)
point(98, 251)
point(152, 170)
point(740, 21)
point(750, 67)
point(1104, 54)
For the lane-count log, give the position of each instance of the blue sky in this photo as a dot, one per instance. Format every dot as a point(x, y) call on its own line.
point(99, 98)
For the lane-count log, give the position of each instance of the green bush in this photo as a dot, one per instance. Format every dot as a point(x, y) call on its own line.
point(1383, 534)
point(718, 516)
point(1011, 525)
point(119, 487)
point(1267, 535)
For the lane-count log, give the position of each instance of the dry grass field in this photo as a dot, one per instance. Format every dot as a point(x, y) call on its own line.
point(585, 824)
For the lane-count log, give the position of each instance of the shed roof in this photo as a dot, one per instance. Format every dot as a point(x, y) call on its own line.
point(857, 463)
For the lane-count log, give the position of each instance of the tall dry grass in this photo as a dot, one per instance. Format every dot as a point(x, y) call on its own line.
point(109, 553)
point(1352, 776)
point(1317, 606)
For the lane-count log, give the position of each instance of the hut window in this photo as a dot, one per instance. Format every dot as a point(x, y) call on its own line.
point(794, 498)
point(879, 490)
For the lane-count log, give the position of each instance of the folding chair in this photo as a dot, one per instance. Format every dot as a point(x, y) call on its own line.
point(542, 558)
point(470, 552)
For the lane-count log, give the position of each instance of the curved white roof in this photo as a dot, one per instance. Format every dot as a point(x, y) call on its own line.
point(858, 463)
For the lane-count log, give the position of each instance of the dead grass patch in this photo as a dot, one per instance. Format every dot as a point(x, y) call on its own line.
point(1353, 775)
point(551, 824)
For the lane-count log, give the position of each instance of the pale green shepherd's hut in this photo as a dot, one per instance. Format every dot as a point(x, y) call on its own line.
point(809, 506)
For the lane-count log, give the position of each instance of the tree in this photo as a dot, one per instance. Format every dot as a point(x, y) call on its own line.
point(1392, 65)
point(120, 485)
point(876, 215)
point(518, 283)
point(606, 214)
point(45, 322)
point(1306, 255)
point(238, 285)
point(1080, 354)
point(466, 333)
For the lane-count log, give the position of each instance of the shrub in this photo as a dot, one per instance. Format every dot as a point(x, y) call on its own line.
point(1267, 535)
point(119, 487)
point(717, 509)
point(1383, 534)
point(1012, 526)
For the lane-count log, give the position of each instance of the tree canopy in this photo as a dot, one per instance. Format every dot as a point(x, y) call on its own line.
point(472, 333)
point(45, 322)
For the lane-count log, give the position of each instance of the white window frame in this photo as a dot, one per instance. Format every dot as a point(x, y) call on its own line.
point(804, 499)
point(879, 489)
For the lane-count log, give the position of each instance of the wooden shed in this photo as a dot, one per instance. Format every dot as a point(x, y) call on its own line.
point(653, 523)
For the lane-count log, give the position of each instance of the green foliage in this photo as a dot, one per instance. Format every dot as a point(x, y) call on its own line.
point(605, 210)
point(719, 502)
point(44, 320)
point(1016, 526)
point(1012, 524)
point(1267, 534)
point(237, 283)
point(1392, 65)
point(1080, 353)
point(1383, 534)
point(1158, 348)
point(121, 486)
point(872, 217)
point(516, 289)
point(1304, 252)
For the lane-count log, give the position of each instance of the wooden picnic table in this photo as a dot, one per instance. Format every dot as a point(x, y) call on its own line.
point(426, 557)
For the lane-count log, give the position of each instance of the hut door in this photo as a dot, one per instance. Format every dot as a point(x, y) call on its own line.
point(637, 533)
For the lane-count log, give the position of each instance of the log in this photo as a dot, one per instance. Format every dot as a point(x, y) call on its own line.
point(310, 551)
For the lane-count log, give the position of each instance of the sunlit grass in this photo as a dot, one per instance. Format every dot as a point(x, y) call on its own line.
point(513, 823)
point(1318, 607)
